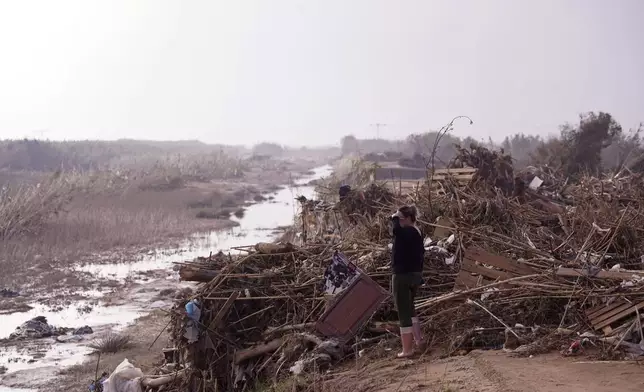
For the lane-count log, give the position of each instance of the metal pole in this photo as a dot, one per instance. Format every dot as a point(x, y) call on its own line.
point(378, 125)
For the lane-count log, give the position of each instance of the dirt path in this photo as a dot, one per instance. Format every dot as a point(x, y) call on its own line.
point(494, 372)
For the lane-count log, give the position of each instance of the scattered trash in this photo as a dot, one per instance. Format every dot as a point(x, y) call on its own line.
point(98, 385)
point(535, 183)
point(69, 339)
point(576, 347)
point(125, 378)
point(193, 312)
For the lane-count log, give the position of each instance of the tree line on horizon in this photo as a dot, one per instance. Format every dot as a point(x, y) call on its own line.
point(596, 143)
point(46, 156)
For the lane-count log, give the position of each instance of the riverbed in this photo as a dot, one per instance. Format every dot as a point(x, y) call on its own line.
point(143, 278)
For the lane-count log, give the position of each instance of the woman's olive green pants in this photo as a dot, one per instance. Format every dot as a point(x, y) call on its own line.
point(404, 287)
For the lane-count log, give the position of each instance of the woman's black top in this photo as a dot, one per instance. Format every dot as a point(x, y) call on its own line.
point(408, 252)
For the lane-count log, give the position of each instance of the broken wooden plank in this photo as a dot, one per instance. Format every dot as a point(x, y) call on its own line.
point(274, 248)
point(454, 170)
point(245, 354)
point(214, 323)
point(289, 328)
point(504, 263)
point(191, 274)
point(465, 279)
point(456, 177)
point(602, 274)
point(265, 297)
point(493, 274)
point(261, 349)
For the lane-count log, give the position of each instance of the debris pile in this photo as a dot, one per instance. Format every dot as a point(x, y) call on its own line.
point(494, 167)
point(37, 328)
point(555, 265)
point(257, 313)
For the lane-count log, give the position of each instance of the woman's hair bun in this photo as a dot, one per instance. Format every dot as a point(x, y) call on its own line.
point(409, 211)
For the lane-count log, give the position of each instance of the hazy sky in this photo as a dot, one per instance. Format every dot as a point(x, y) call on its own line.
point(309, 71)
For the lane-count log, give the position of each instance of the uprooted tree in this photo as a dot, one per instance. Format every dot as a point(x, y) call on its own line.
point(579, 148)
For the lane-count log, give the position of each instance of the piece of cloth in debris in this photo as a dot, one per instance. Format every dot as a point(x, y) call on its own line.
point(408, 251)
point(405, 287)
point(191, 332)
point(125, 378)
point(339, 274)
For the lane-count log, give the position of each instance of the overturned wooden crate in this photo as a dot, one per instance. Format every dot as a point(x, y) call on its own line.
point(480, 267)
point(352, 309)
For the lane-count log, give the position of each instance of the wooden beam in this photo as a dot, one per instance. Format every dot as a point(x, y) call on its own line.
point(493, 274)
point(460, 170)
point(467, 280)
point(245, 354)
point(294, 298)
point(214, 323)
point(504, 263)
point(192, 274)
point(603, 274)
point(457, 177)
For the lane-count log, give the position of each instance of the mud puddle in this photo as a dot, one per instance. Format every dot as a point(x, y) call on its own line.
point(144, 278)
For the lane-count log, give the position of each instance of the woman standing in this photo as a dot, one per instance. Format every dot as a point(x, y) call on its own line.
point(407, 258)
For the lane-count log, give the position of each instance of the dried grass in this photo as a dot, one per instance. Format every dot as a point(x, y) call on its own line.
point(111, 343)
point(23, 209)
point(96, 219)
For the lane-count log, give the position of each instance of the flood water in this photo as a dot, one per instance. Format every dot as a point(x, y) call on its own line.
point(257, 225)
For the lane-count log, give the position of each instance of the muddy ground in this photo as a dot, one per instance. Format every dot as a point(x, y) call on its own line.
point(479, 371)
point(142, 353)
point(154, 299)
point(490, 371)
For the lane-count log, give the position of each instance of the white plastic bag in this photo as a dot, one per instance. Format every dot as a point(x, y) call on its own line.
point(125, 378)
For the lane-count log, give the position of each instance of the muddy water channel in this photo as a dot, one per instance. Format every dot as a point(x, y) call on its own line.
point(115, 306)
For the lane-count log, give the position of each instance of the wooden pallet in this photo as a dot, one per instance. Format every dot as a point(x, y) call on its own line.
point(461, 175)
point(474, 274)
point(604, 317)
point(456, 170)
